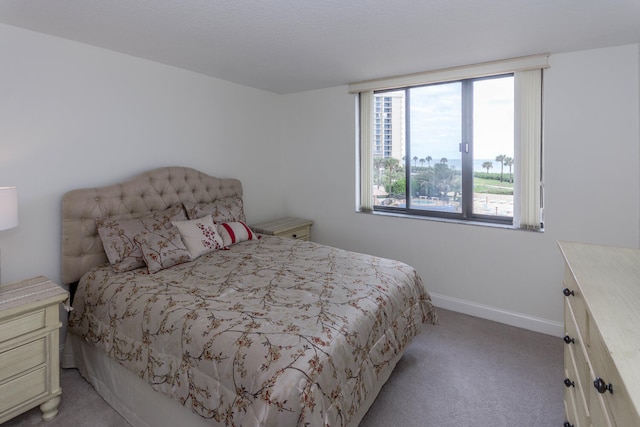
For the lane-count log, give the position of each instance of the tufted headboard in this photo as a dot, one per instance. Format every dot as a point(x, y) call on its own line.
point(152, 191)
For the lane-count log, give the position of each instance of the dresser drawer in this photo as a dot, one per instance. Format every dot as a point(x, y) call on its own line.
point(618, 402)
point(599, 414)
point(575, 394)
point(22, 389)
point(23, 358)
point(22, 324)
point(576, 302)
point(577, 344)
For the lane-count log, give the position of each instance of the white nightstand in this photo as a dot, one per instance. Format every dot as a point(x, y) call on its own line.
point(293, 228)
point(29, 349)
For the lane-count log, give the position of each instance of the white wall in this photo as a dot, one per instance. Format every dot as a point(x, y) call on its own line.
point(73, 115)
point(592, 177)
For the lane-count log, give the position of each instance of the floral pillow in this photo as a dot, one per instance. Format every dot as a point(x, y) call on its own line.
point(228, 209)
point(162, 249)
point(118, 235)
point(200, 236)
point(234, 232)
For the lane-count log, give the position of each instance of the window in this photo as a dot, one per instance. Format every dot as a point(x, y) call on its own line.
point(466, 148)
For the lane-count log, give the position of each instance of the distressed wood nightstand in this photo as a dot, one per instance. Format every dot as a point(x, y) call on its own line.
point(29, 349)
point(293, 228)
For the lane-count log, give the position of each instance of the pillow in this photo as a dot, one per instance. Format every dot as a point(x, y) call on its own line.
point(162, 249)
point(199, 236)
point(228, 209)
point(234, 232)
point(117, 236)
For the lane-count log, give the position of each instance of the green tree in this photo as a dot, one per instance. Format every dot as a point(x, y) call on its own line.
point(415, 162)
point(428, 159)
point(444, 161)
point(391, 165)
point(377, 164)
point(500, 159)
point(487, 166)
point(422, 162)
point(508, 161)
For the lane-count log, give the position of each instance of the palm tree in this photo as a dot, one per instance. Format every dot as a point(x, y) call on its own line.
point(487, 166)
point(415, 162)
point(392, 165)
point(500, 159)
point(508, 161)
point(428, 159)
point(422, 162)
point(444, 161)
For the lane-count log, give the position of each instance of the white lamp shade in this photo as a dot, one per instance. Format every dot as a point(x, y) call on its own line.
point(8, 207)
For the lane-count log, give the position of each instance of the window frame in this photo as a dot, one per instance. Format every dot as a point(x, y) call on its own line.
point(528, 182)
point(467, 156)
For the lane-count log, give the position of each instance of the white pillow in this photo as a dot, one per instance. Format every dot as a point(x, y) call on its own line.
point(234, 232)
point(199, 236)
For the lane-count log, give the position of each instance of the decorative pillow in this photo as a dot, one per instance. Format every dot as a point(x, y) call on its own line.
point(162, 249)
point(199, 236)
point(117, 236)
point(228, 209)
point(234, 232)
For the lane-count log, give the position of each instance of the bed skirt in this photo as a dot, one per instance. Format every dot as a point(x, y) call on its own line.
point(142, 406)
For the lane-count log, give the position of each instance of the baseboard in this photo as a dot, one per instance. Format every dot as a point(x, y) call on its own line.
point(531, 323)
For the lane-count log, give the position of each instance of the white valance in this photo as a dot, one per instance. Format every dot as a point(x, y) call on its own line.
point(524, 63)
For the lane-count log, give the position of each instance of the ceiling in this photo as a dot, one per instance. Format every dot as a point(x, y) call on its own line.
point(287, 46)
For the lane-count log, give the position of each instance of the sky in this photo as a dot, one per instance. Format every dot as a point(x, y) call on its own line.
point(436, 120)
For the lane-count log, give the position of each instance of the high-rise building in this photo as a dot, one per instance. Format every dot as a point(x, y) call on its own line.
point(389, 125)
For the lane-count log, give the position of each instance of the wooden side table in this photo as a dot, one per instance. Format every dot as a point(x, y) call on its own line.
point(29, 347)
point(292, 228)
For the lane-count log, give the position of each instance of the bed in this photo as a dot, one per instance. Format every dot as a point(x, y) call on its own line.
point(243, 330)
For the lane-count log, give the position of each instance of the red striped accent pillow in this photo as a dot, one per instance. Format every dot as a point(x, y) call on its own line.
point(234, 232)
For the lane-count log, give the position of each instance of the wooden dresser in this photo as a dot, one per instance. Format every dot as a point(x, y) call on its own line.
point(602, 335)
point(29, 347)
point(293, 228)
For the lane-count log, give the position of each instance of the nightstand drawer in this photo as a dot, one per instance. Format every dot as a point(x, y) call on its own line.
point(23, 358)
point(23, 389)
point(301, 233)
point(22, 325)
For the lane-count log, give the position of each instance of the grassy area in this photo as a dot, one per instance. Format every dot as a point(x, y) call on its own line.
point(491, 186)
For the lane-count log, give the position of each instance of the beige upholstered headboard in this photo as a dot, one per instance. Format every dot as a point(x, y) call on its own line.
point(152, 191)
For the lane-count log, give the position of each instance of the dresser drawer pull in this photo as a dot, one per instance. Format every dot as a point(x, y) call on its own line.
point(568, 340)
point(569, 383)
point(601, 386)
point(567, 292)
point(567, 424)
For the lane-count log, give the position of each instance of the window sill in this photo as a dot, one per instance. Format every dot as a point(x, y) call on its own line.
point(451, 221)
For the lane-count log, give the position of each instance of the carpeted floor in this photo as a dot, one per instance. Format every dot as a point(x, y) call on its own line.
point(465, 372)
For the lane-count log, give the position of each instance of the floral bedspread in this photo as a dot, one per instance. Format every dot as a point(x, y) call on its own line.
point(271, 332)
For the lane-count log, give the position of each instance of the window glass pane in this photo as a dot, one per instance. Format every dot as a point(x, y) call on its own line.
point(389, 149)
point(493, 146)
point(435, 125)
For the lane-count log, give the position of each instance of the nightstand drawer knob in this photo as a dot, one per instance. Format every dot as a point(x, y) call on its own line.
point(568, 340)
point(602, 386)
point(569, 383)
point(567, 292)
